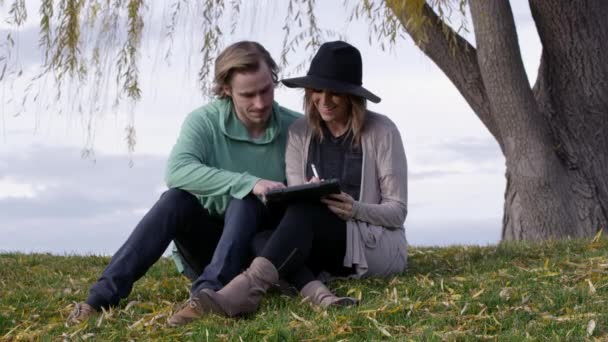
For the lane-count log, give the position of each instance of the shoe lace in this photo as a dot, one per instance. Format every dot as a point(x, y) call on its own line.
point(76, 312)
point(190, 302)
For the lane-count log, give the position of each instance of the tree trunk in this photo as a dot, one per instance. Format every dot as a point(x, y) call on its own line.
point(553, 136)
point(571, 92)
point(556, 155)
point(537, 206)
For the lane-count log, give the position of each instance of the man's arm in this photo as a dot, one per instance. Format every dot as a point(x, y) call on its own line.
point(187, 166)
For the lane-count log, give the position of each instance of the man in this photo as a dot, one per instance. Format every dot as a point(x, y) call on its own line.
point(228, 153)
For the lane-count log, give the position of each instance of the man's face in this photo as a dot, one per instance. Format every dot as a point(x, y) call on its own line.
point(252, 93)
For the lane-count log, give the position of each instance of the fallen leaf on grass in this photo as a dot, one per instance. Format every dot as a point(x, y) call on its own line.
point(155, 318)
point(590, 328)
point(134, 325)
point(568, 318)
point(342, 329)
point(505, 293)
point(11, 331)
point(379, 327)
point(84, 326)
point(373, 312)
point(394, 310)
point(87, 336)
point(395, 281)
point(479, 293)
point(598, 236)
point(130, 305)
point(591, 287)
point(357, 292)
point(99, 320)
point(464, 308)
point(105, 314)
point(301, 319)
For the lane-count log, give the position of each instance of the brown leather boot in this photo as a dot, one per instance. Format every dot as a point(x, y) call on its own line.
point(190, 311)
point(82, 312)
point(320, 295)
point(243, 294)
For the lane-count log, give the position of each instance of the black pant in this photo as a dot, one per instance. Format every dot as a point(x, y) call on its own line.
point(215, 248)
point(309, 239)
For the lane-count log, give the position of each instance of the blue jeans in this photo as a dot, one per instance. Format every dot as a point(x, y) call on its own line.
point(218, 248)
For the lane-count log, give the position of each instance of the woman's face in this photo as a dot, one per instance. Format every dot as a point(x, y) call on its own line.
point(333, 107)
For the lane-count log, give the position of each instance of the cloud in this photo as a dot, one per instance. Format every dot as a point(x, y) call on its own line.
point(76, 202)
point(470, 231)
point(473, 150)
point(11, 189)
point(26, 51)
point(430, 174)
point(458, 156)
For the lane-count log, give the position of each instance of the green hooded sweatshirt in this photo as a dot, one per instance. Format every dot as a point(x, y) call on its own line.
point(215, 159)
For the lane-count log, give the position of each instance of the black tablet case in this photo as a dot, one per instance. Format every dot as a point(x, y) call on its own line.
point(311, 192)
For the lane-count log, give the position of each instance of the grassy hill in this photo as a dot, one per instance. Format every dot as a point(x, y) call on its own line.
point(554, 290)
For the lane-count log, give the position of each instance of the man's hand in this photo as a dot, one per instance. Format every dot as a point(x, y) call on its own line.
point(264, 185)
point(340, 204)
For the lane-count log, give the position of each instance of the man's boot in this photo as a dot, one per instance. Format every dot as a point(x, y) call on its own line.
point(190, 311)
point(320, 295)
point(81, 313)
point(243, 294)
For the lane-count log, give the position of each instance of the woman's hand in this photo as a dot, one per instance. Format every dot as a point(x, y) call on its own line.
point(340, 204)
point(313, 180)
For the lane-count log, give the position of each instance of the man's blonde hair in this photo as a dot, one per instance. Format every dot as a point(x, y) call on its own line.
point(357, 106)
point(243, 56)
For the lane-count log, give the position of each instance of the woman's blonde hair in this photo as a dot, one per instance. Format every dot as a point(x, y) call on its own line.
point(357, 106)
point(239, 57)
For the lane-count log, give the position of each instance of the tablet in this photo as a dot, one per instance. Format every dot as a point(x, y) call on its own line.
point(310, 192)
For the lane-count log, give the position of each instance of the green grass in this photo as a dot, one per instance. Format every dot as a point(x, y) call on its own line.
point(553, 290)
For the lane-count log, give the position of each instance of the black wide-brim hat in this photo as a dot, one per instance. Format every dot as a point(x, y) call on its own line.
point(336, 67)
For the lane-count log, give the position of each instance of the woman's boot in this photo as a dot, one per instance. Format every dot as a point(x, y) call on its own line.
point(320, 295)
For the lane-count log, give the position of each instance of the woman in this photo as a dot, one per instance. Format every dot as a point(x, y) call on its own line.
point(357, 233)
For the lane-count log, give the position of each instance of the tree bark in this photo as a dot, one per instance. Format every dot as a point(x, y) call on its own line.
point(572, 94)
point(553, 136)
point(536, 205)
point(455, 57)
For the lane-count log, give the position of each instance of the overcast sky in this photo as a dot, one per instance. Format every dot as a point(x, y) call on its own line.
point(53, 200)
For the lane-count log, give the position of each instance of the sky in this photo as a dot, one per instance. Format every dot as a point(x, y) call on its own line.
point(54, 200)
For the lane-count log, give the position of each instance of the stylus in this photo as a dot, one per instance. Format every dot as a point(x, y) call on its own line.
point(314, 170)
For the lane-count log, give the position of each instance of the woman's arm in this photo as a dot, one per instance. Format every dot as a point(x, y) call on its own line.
point(392, 179)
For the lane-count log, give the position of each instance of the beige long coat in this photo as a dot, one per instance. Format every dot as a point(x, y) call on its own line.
point(375, 236)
